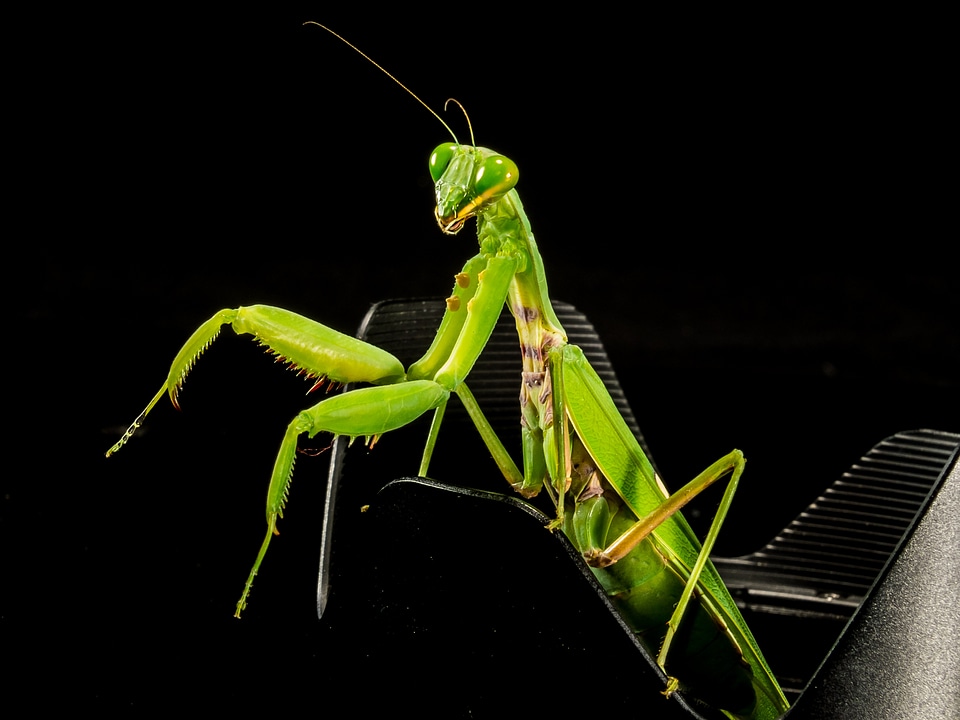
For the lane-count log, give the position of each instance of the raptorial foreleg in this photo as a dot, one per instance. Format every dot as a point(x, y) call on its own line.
point(307, 346)
point(367, 413)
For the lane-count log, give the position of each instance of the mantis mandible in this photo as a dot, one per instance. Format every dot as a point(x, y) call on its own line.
point(608, 499)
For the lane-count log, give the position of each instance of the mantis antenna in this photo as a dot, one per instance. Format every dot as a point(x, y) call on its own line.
point(473, 142)
point(385, 72)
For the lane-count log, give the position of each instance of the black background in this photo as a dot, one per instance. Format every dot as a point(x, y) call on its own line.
point(752, 210)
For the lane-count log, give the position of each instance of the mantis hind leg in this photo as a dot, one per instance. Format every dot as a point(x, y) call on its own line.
point(731, 464)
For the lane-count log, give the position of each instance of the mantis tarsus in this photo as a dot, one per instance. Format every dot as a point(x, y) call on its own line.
point(608, 499)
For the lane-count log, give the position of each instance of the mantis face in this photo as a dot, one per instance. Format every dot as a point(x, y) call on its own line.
point(468, 180)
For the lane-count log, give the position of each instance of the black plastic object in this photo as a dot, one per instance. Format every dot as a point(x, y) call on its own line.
point(898, 657)
point(882, 538)
point(818, 570)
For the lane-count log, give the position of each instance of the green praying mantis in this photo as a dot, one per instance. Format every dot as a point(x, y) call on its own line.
point(608, 499)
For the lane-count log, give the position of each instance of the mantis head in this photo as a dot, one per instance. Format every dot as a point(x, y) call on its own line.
point(468, 180)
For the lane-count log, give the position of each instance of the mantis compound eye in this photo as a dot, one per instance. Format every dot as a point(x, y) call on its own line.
point(440, 159)
point(496, 177)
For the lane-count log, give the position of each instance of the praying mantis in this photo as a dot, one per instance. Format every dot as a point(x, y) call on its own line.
point(607, 498)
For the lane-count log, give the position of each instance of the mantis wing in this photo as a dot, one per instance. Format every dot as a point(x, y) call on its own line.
point(613, 448)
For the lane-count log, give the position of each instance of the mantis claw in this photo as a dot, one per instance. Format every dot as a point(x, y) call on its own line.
point(136, 424)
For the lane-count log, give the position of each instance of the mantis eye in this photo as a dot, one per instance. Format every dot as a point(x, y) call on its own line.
point(440, 158)
point(495, 178)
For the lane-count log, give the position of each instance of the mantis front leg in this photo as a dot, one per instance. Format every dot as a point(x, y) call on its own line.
point(473, 310)
point(368, 413)
point(321, 354)
point(307, 346)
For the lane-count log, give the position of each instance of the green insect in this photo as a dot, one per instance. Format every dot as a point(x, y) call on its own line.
point(609, 501)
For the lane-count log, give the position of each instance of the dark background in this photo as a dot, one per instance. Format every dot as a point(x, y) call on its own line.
point(752, 210)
